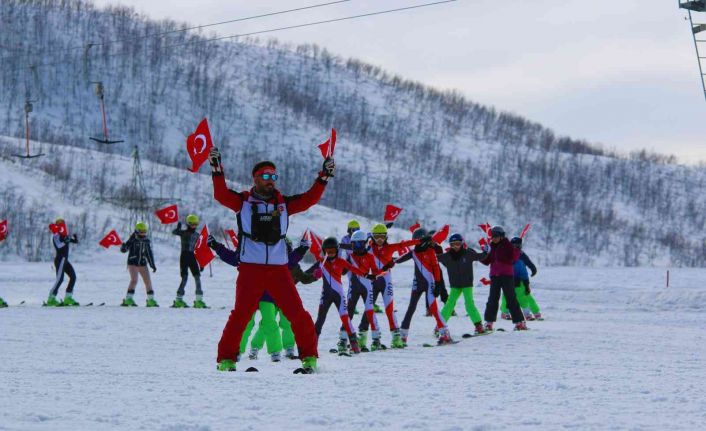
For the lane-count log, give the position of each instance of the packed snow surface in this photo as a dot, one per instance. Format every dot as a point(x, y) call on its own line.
point(619, 350)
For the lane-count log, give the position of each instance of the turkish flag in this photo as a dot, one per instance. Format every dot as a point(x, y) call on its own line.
point(168, 214)
point(3, 230)
point(198, 145)
point(525, 230)
point(391, 213)
point(485, 228)
point(441, 235)
point(59, 228)
point(414, 227)
point(111, 239)
point(233, 237)
point(483, 242)
point(316, 245)
point(327, 147)
point(485, 281)
point(202, 251)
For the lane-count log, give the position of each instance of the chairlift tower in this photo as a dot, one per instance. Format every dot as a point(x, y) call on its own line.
point(134, 198)
point(698, 7)
point(28, 108)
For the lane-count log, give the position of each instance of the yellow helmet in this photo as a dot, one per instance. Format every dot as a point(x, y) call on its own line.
point(379, 229)
point(59, 220)
point(192, 219)
point(354, 224)
point(141, 227)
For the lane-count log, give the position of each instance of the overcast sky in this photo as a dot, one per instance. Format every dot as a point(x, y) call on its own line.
point(621, 73)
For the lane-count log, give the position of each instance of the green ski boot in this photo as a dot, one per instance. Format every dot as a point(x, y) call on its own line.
point(363, 341)
point(200, 304)
point(309, 365)
point(52, 302)
point(397, 342)
point(377, 309)
point(128, 302)
point(226, 365)
point(179, 303)
point(3, 304)
point(69, 301)
point(151, 302)
point(376, 345)
point(342, 346)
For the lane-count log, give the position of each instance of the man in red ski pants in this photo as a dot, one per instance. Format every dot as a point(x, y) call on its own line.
point(263, 218)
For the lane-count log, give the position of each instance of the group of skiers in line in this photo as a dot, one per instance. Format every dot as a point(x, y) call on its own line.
point(367, 260)
point(139, 257)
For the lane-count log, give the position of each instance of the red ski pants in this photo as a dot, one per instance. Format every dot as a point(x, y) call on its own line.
point(252, 282)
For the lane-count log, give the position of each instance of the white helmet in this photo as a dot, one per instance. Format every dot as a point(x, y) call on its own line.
point(359, 235)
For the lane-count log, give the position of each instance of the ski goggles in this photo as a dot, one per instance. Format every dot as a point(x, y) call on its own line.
point(268, 177)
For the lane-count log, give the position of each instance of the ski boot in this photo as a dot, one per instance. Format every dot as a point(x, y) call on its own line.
point(444, 337)
point(3, 304)
point(179, 303)
point(436, 333)
point(530, 317)
point(276, 357)
point(52, 302)
point(403, 336)
point(69, 301)
point(308, 366)
point(226, 365)
point(397, 342)
point(521, 326)
point(488, 326)
point(506, 316)
point(363, 341)
point(342, 346)
point(151, 302)
point(253, 353)
point(376, 345)
point(198, 303)
point(377, 309)
point(479, 329)
point(355, 348)
point(538, 316)
point(128, 302)
point(290, 354)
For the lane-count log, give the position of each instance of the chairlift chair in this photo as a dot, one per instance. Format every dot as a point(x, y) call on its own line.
point(28, 108)
point(105, 140)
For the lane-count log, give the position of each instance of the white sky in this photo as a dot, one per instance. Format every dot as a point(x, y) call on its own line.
point(621, 73)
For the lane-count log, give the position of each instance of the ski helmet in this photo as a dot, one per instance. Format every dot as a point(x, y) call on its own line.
point(420, 233)
point(353, 224)
point(497, 232)
point(456, 237)
point(516, 241)
point(330, 242)
point(59, 220)
point(379, 229)
point(359, 239)
point(141, 227)
point(192, 219)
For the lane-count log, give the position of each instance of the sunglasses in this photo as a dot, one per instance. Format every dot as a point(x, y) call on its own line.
point(268, 177)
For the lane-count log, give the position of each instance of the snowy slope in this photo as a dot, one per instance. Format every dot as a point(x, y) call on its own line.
point(618, 351)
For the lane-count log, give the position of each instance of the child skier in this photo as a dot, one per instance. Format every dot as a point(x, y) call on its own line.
point(361, 287)
point(187, 261)
point(458, 261)
point(63, 266)
point(427, 274)
point(333, 267)
point(383, 253)
point(501, 258)
point(139, 250)
point(529, 305)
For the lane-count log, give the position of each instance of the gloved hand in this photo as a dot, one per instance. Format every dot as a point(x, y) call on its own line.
point(318, 273)
point(214, 157)
point(74, 238)
point(154, 269)
point(211, 242)
point(486, 248)
point(533, 274)
point(304, 243)
point(328, 168)
point(388, 265)
point(371, 277)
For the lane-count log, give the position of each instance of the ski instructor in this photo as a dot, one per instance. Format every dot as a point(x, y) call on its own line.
point(263, 218)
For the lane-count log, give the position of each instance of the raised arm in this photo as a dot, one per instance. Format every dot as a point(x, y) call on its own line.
point(225, 196)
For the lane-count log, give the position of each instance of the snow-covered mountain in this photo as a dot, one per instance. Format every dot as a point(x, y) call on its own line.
point(441, 157)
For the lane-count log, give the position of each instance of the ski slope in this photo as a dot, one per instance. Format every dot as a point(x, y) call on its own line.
point(618, 351)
